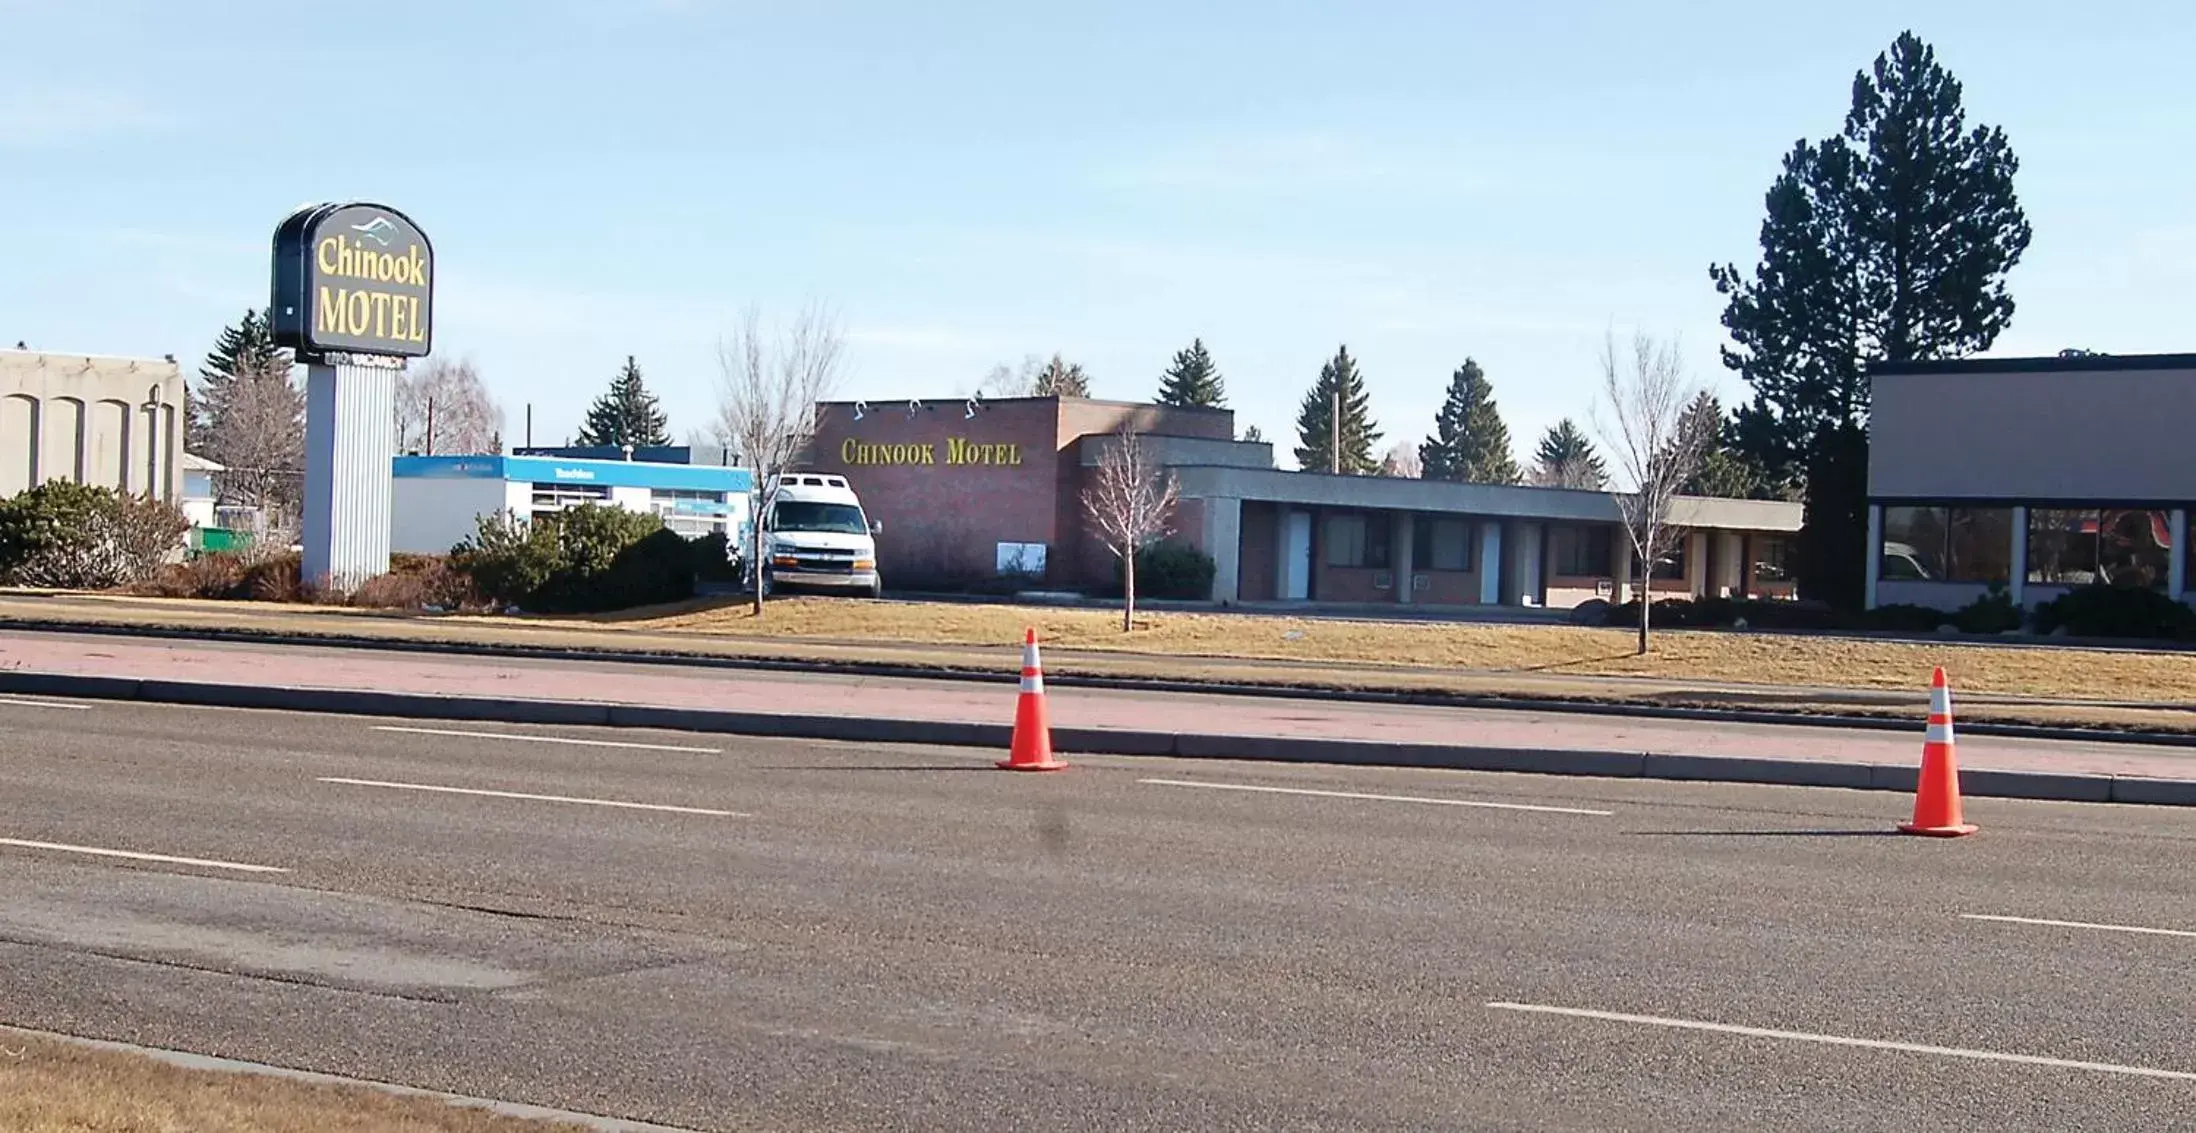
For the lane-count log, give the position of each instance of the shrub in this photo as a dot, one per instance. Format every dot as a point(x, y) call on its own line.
point(2117, 611)
point(585, 559)
point(275, 578)
point(1171, 569)
point(218, 574)
point(1994, 612)
point(77, 536)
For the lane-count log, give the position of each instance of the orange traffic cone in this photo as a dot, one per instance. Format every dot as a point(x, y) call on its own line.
point(1032, 749)
point(1937, 798)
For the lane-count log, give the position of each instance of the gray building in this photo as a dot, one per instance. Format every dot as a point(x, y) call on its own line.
point(114, 422)
point(2042, 474)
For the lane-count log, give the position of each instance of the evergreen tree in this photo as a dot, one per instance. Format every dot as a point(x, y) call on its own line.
point(1725, 471)
point(1192, 380)
point(1061, 378)
point(1566, 459)
point(1315, 422)
point(627, 414)
point(1889, 242)
point(1470, 442)
point(246, 347)
point(1253, 435)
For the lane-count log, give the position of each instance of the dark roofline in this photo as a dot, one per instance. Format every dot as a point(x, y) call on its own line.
point(874, 402)
point(2054, 364)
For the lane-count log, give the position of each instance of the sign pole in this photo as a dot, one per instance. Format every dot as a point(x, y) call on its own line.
point(350, 410)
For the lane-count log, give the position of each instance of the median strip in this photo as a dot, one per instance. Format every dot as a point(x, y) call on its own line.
point(622, 805)
point(1842, 1040)
point(1356, 795)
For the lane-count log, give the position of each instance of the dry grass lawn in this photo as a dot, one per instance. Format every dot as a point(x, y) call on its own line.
point(1717, 656)
point(56, 1087)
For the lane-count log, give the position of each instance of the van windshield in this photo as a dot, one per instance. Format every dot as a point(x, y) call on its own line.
point(803, 515)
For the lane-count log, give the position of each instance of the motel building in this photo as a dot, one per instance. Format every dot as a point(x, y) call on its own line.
point(2038, 474)
point(968, 490)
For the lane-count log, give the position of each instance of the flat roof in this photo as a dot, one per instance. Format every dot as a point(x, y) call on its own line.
point(874, 402)
point(546, 470)
point(2055, 363)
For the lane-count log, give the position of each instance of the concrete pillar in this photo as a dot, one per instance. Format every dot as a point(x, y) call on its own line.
point(2177, 554)
point(1524, 559)
point(1403, 555)
point(1224, 542)
point(1875, 556)
point(1490, 562)
point(1622, 567)
point(2017, 584)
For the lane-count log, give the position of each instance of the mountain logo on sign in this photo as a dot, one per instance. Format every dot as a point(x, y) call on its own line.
point(378, 230)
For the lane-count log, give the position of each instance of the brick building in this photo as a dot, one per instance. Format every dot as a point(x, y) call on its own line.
point(966, 490)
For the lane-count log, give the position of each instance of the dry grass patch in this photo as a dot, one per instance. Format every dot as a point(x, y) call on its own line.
point(57, 1087)
point(1694, 655)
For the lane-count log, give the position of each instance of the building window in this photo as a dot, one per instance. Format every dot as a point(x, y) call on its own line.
point(1355, 539)
point(553, 496)
point(1946, 544)
point(1671, 566)
point(1772, 558)
point(2079, 546)
point(1441, 544)
point(1583, 552)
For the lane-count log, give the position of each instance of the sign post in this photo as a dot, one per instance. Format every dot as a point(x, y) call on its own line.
point(354, 289)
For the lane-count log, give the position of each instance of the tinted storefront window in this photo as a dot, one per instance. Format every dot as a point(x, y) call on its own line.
point(2114, 546)
point(1946, 544)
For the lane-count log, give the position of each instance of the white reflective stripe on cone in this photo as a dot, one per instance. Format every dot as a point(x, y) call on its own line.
point(1029, 656)
point(1940, 701)
point(1033, 684)
point(1938, 734)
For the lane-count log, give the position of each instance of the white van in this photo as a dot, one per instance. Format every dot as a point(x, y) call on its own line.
point(817, 537)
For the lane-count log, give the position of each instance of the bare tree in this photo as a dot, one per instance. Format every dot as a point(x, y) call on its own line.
point(767, 394)
point(1009, 381)
point(1130, 503)
point(1403, 460)
point(442, 408)
point(1656, 445)
point(257, 435)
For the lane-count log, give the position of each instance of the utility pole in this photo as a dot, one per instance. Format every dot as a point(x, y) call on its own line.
point(529, 424)
point(430, 426)
point(1334, 435)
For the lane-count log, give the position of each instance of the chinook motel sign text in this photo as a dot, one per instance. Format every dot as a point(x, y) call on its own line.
point(353, 279)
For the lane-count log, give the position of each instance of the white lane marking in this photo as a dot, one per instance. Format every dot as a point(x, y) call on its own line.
point(135, 856)
point(18, 702)
point(542, 739)
point(1373, 798)
point(535, 798)
point(2079, 924)
point(1841, 1040)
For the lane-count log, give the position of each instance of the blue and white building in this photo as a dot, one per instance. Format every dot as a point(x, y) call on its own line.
point(439, 499)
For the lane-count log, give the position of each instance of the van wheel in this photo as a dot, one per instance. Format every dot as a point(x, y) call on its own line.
point(876, 590)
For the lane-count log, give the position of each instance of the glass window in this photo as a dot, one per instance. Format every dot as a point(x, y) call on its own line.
point(1913, 544)
point(825, 518)
point(1582, 552)
point(1441, 544)
point(1672, 563)
point(1772, 558)
point(1979, 544)
point(1355, 539)
point(2079, 546)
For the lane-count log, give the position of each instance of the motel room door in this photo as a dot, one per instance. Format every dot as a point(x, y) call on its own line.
point(1296, 557)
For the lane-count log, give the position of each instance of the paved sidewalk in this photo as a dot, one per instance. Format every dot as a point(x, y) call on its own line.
point(893, 699)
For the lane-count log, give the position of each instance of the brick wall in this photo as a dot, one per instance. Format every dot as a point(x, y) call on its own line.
point(943, 519)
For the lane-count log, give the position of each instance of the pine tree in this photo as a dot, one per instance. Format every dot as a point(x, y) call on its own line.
point(1061, 378)
point(1470, 443)
point(1253, 435)
point(246, 347)
point(627, 414)
point(1890, 241)
point(1192, 380)
point(1723, 472)
point(1315, 422)
point(1566, 459)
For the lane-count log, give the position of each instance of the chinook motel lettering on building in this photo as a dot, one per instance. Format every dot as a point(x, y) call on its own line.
point(958, 451)
point(355, 279)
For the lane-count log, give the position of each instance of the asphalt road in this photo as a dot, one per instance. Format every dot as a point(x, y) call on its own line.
point(826, 937)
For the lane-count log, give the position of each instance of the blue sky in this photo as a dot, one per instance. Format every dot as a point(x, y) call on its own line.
point(968, 183)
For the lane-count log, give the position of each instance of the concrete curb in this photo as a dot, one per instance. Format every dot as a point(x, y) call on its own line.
point(1980, 783)
point(1278, 691)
